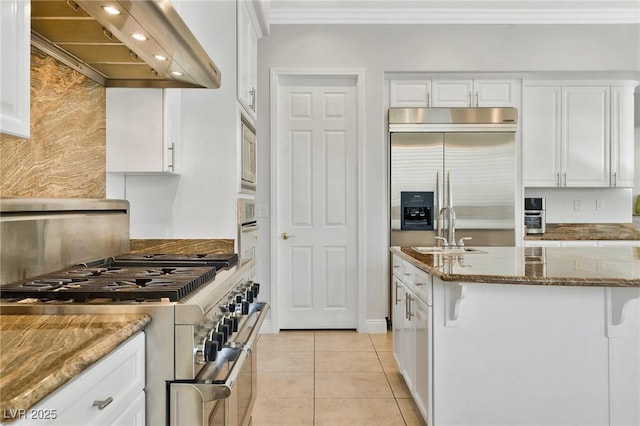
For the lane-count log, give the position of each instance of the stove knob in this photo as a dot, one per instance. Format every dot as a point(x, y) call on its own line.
point(228, 322)
point(234, 323)
point(225, 330)
point(245, 308)
point(211, 349)
point(218, 337)
point(256, 289)
point(238, 298)
point(249, 295)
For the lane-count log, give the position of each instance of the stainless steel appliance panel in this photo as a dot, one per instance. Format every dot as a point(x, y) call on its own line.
point(247, 229)
point(39, 235)
point(458, 116)
point(466, 156)
point(481, 167)
point(416, 160)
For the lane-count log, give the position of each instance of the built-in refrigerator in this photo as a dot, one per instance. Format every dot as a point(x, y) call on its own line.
point(458, 157)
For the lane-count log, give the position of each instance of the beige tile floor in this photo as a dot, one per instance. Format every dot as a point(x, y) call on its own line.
point(331, 378)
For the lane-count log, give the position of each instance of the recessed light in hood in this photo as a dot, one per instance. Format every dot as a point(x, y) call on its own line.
point(98, 43)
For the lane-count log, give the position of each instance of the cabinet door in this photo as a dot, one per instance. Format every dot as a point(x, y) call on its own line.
point(494, 93)
point(422, 381)
point(622, 149)
point(398, 319)
point(451, 93)
point(139, 129)
point(541, 136)
point(408, 368)
point(15, 39)
point(585, 136)
point(409, 93)
point(247, 58)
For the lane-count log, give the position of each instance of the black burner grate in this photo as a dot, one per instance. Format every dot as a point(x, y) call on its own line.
point(130, 283)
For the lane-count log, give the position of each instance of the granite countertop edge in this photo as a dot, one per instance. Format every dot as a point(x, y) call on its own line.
point(587, 232)
point(515, 279)
point(73, 365)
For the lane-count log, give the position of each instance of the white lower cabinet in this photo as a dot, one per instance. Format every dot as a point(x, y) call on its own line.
point(412, 320)
point(110, 392)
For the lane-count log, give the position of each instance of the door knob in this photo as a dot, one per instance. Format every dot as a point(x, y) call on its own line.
point(285, 236)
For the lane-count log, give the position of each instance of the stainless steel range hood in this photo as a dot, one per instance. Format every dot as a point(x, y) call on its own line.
point(100, 45)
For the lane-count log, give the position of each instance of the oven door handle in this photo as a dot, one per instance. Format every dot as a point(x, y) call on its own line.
point(215, 391)
point(253, 336)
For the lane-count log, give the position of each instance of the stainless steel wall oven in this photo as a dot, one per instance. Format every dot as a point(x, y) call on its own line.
point(247, 228)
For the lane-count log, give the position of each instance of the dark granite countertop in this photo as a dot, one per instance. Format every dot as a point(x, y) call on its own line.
point(565, 266)
point(588, 231)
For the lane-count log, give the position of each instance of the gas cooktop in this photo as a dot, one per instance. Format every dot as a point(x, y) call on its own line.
point(125, 277)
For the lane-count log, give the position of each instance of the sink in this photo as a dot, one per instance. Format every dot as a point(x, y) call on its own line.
point(448, 250)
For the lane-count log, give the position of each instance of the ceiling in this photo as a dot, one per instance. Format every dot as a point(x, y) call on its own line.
point(454, 12)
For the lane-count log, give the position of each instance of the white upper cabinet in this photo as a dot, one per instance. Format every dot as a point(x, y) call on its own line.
point(495, 93)
point(15, 39)
point(577, 134)
point(143, 128)
point(585, 136)
point(541, 151)
point(450, 93)
point(247, 71)
point(622, 144)
point(409, 93)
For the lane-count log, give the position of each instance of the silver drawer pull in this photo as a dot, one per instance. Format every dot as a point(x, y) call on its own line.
point(102, 404)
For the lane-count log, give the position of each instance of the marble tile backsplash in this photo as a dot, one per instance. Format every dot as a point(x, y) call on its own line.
point(65, 157)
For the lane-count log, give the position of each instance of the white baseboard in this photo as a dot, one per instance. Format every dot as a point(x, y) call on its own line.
point(374, 326)
point(267, 327)
point(370, 326)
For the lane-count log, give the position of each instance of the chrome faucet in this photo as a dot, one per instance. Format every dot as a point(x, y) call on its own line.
point(450, 241)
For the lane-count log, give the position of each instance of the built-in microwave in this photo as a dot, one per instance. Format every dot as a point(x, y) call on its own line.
point(249, 169)
point(535, 215)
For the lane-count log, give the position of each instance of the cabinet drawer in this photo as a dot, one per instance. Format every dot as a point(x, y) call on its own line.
point(119, 376)
point(408, 272)
point(422, 286)
point(397, 266)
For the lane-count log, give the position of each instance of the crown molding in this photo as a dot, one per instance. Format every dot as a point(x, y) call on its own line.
point(291, 16)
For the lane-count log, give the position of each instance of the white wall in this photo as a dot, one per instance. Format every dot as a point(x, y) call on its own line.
point(587, 50)
point(560, 204)
point(201, 201)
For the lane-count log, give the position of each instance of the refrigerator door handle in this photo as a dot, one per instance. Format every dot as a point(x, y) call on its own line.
point(449, 191)
point(436, 216)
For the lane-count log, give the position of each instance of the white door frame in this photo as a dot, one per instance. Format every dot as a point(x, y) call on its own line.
point(358, 74)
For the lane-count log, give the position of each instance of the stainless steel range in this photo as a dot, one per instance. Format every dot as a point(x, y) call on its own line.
point(201, 342)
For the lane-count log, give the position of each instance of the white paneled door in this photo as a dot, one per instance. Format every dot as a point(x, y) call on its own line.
point(316, 201)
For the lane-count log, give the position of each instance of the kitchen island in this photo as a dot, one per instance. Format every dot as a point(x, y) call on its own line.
point(508, 335)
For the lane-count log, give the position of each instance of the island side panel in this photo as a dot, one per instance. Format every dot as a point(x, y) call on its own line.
point(519, 355)
point(623, 331)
